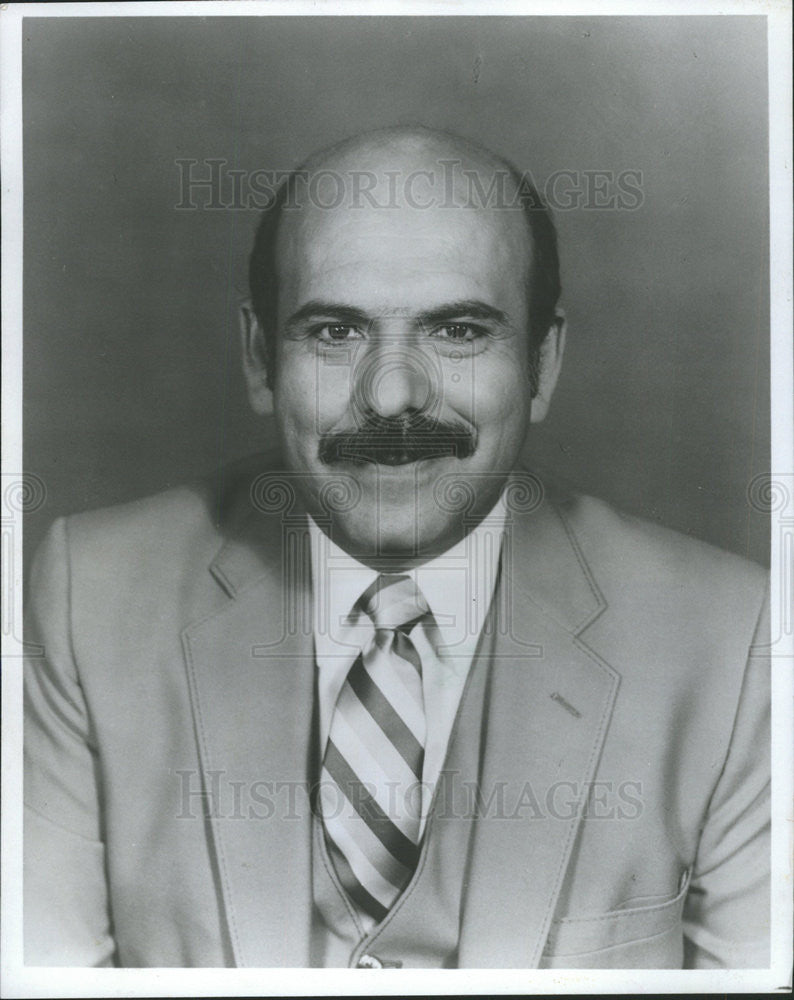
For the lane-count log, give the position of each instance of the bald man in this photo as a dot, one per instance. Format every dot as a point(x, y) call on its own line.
point(382, 697)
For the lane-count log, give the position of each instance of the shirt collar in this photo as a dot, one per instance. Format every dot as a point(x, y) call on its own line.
point(458, 584)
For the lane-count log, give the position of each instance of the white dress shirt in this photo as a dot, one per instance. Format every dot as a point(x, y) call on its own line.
point(459, 585)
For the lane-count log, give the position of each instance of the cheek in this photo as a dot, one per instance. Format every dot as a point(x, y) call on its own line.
point(311, 392)
point(492, 392)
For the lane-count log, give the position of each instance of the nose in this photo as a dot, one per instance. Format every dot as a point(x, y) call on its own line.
point(394, 378)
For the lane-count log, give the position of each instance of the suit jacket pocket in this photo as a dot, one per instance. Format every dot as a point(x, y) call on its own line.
point(633, 937)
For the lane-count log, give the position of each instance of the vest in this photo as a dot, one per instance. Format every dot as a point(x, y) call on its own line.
point(421, 929)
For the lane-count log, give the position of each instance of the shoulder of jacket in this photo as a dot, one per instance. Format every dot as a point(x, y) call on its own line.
point(642, 552)
point(197, 513)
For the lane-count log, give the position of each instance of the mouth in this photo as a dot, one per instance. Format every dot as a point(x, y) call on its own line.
point(393, 453)
point(393, 449)
point(395, 443)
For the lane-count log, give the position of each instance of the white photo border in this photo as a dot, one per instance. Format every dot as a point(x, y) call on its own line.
point(18, 980)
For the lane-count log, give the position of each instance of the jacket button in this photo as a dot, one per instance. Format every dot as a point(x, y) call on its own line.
point(369, 962)
point(372, 962)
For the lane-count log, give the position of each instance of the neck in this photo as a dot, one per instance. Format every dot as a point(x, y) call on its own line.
point(397, 558)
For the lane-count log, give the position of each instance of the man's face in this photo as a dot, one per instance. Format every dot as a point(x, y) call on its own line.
point(402, 363)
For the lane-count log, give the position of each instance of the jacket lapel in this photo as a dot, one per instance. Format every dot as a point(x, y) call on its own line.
point(251, 675)
point(548, 706)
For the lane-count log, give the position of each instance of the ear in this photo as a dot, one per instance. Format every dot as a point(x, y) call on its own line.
point(252, 340)
point(551, 351)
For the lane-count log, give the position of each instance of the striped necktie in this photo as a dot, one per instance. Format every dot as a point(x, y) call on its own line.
point(370, 789)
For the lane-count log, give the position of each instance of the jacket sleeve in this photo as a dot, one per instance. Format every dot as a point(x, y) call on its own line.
point(65, 895)
point(727, 911)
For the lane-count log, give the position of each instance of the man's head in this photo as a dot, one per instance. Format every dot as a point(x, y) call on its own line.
point(404, 289)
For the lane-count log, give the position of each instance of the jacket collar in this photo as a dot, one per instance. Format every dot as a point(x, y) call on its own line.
point(548, 567)
point(251, 676)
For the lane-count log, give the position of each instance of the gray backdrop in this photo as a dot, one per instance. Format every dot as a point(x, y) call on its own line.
point(131, 354)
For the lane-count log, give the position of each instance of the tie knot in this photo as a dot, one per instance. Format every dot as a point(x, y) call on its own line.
point(394, 601)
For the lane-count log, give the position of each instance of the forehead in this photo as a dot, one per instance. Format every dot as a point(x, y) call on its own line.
point(393, 256)
point(406, 251)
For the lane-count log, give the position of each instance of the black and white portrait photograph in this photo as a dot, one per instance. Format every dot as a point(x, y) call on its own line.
point(398, 499)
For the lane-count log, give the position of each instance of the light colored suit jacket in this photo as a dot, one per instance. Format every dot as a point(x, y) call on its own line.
point(170, 738)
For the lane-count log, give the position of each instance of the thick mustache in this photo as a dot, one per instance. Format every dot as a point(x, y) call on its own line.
point(397, 441)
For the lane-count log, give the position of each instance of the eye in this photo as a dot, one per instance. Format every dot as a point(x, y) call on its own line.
point(335, 333)
point(457, 332)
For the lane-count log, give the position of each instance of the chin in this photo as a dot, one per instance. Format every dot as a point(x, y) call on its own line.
point(379, 533)
point(391, 532)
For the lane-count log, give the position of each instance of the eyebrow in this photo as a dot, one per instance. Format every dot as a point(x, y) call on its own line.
point(471, 308)
point(344, 313)
point(339, 310)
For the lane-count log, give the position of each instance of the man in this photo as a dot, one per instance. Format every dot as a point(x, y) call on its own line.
point(386, 699)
